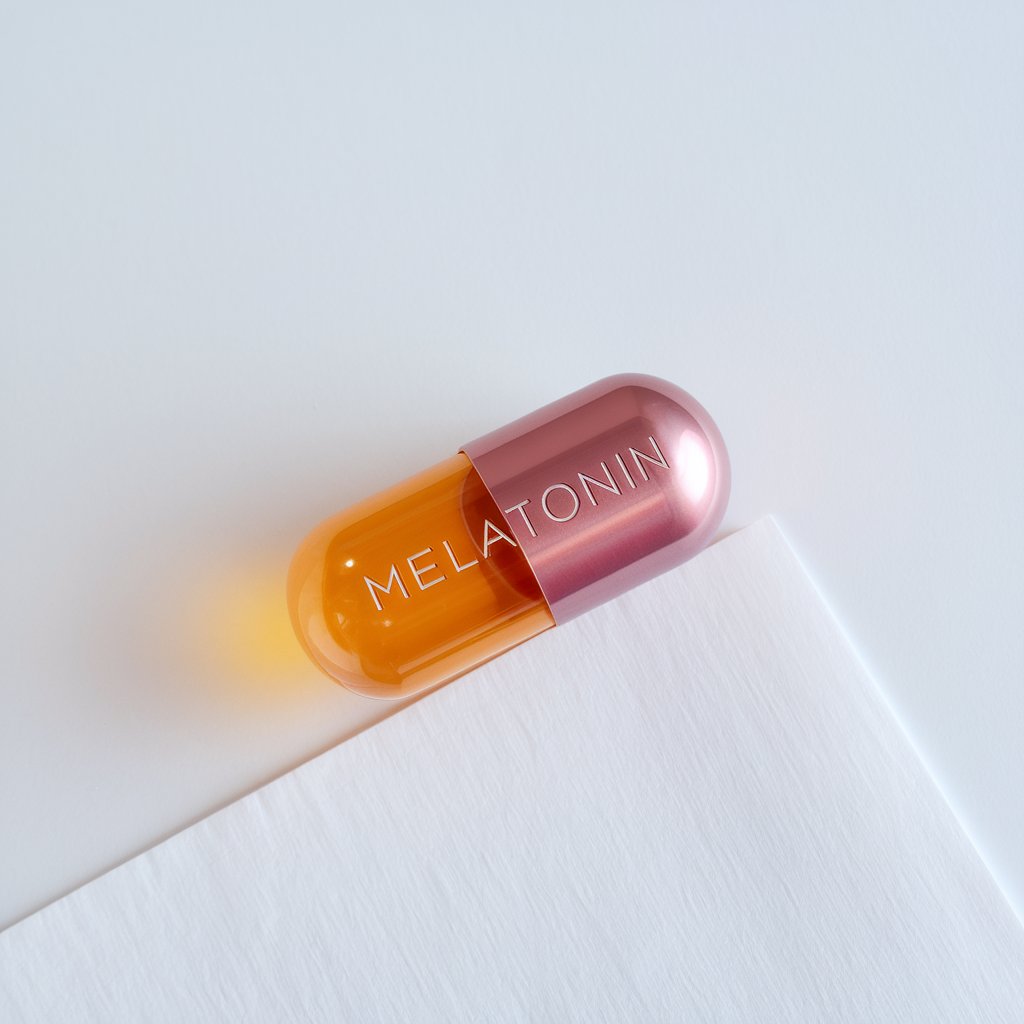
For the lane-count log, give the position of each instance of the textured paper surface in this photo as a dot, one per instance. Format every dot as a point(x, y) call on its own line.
point(689, 805)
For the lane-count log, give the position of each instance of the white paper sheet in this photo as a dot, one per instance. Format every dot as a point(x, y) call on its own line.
point(688, 805)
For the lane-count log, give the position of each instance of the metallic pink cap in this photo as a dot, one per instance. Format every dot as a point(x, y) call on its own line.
point(607, 487)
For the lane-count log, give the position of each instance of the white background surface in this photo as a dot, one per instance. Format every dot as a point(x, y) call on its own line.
point(737, 833)
point(255, 263)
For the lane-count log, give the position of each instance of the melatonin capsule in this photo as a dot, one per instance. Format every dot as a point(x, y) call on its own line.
point(525, 528)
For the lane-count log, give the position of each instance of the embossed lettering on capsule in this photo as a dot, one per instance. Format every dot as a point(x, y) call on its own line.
point(420, 572)
point(561, 502)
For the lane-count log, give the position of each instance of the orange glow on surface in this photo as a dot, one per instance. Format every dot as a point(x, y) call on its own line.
point(238, 630)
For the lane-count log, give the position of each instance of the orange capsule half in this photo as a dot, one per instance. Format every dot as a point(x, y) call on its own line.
point(523, 529)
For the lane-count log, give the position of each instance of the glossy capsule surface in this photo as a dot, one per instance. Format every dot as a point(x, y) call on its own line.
point(525, 528)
